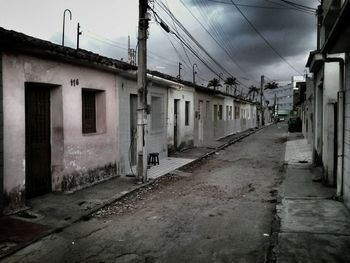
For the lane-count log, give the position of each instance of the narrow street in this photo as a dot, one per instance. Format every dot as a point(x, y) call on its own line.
point(219, 210)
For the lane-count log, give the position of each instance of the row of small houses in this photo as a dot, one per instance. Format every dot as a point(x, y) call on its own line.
point(68, 117)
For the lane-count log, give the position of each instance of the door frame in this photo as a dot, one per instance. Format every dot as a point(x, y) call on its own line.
point(33, 190)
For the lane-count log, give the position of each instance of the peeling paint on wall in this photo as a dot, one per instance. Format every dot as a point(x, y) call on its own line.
point(84, 178)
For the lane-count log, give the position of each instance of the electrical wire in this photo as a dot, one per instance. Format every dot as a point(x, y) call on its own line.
point(264, 39)
point(183, 47)
point(190, 36)
point(216, 41)
point(195, 52)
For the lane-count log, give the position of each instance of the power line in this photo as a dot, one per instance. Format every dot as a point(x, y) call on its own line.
point(292, 6)
point(171, 15)
point(253, 6)
point(183, 47)
point(263, 38)
point(216, 41)
point(123, 46)
point(299, 5)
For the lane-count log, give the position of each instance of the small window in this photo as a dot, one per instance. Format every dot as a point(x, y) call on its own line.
point(89, 111)
point(215, 113)
point(236, 112)
point(220, 112)
point(207, 109)
point(187, 113)
point(227, 112)
point(156, 113)
point(93, 111)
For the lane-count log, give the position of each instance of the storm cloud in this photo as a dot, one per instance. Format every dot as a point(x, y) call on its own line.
point(290, 32)
point(241, 51)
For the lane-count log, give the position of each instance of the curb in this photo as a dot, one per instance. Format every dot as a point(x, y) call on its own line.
point(126, 193)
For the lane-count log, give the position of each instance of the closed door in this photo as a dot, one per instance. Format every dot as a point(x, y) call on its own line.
point(176, 120)
point(200, 121)
point(38, 140)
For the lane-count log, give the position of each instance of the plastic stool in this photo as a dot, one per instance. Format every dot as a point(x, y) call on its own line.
point(153, 158)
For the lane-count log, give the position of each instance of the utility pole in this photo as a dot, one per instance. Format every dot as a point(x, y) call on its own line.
point(194, 73)
point(261, 99)
point(275, 106)
point(142, 93)
point(78, 35)
point(180, 64)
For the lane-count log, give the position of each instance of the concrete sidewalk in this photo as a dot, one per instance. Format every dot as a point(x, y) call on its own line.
point(55, 211)
point(313, 226)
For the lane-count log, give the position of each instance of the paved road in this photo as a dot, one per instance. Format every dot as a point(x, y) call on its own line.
point(219, 211)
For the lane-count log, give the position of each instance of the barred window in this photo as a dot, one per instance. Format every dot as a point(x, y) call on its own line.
point(88, 111)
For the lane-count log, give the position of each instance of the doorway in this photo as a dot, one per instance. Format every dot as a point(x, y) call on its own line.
point(133, 129)
point(38, 139)
point(200, 121)
point(176, 122)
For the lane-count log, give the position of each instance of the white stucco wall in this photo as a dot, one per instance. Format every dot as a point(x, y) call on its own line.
point(185, 132)
point(214, 129)
point(330, 90)
point(318, 120)
point(157, 140)
point(206, 115)
point(77, 152)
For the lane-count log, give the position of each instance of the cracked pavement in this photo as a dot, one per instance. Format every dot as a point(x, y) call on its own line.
point(218, 210)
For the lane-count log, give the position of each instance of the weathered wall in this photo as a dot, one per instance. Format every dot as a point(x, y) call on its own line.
point(157, 139)
point(318, 120)
point(330, 89)
point(206, 114)
point(185, 132)
point(346, 169)
point(308, 129)
point(77, 159)
point(214, 127)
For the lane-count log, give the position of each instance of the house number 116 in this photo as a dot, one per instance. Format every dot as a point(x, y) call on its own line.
point(74, 82)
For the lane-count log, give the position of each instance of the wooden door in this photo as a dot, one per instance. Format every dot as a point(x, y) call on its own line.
point(38, 140)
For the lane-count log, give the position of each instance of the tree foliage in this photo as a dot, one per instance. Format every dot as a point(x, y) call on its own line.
point(271, 85)
point(232, 82)
point(252, 90)
point(215, 83)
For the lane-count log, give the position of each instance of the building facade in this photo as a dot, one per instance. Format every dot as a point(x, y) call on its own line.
point(330, 67)
point(69, 118)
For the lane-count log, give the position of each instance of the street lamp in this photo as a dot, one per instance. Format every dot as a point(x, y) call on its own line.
point(64, 22)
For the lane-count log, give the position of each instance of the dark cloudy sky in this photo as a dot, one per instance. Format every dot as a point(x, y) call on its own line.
point(106, 25)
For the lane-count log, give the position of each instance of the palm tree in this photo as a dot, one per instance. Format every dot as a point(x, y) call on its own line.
point(253, 91)
point(231, 82)
point(215, 83)
point(271, 85)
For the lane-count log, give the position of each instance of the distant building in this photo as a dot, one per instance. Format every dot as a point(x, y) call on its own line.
point(284, 99)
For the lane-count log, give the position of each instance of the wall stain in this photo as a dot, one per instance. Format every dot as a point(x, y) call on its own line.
point(81, 179)
point(14, 200)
